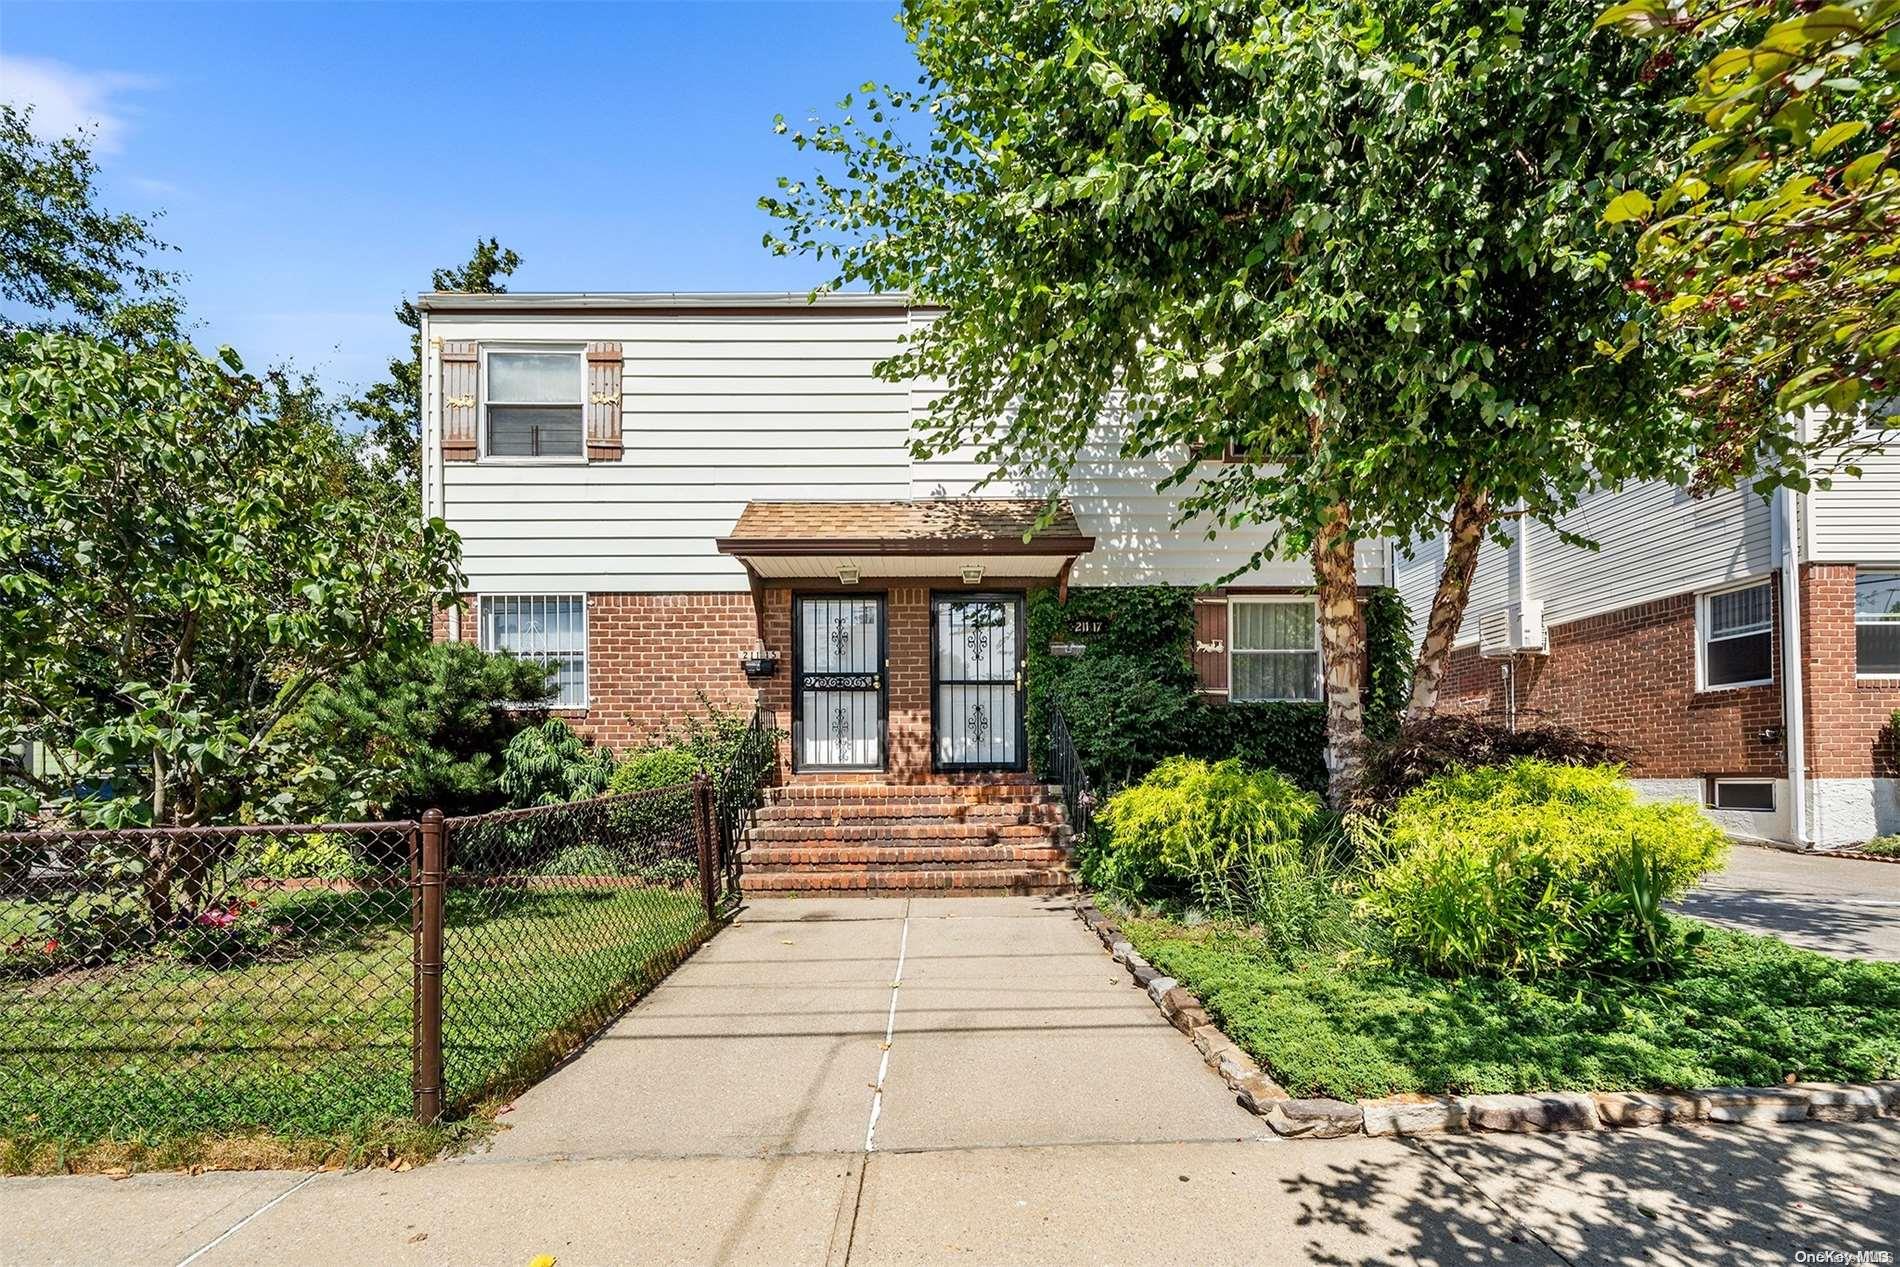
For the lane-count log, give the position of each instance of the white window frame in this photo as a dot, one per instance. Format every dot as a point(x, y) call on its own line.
point(578, 457)
point(1715, 796)
point(1858, 675)
point(587, 659)
point(1702, 639)
point(1234, 650)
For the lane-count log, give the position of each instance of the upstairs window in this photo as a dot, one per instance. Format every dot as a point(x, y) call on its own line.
point(1275, 650)
point(548, 629)
point(532, 404)
point(1877, 623)
point(1738, 637)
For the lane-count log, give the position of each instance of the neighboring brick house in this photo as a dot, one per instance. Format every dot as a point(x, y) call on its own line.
point(653, 490)
point(1672, 637)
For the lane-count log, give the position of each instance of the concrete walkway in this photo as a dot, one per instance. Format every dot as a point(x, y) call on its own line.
point(1839, 906)
point(966, 1081)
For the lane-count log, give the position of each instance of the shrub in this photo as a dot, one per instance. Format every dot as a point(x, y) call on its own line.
point(1217, 832)
point(318, 857)
point(1534, 867)
point(1125, 714)
point(1423, 750)
point(549, 764)
point(226, 934)
point(399, 734)
point(1289, 738)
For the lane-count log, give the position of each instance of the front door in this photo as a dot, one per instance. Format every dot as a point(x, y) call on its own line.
point(838, 681)
point(976, 719)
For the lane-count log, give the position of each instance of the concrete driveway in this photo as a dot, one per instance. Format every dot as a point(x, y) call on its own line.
point(969, 1081)
point(1840, 906)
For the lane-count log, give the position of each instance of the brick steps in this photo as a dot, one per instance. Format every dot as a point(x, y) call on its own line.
point(947, 881)
point(996, 837)
point(896, 856)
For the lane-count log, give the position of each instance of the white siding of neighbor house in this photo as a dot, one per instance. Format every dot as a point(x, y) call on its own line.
point(1654, 540)
point(1858, 520)
point(720, 409)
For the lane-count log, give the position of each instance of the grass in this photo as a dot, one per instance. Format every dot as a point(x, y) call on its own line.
point(1881, 847)
point(306, 1053)
point(1350, 1024)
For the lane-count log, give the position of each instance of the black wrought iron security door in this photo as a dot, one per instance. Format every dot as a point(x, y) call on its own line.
point(976, 664)
point(838, 680)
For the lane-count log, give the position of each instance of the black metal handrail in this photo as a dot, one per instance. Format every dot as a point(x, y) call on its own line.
point(739, 789)
point(1065, 765)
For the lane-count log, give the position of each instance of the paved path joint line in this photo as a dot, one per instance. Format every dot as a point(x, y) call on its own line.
point(890, 1032)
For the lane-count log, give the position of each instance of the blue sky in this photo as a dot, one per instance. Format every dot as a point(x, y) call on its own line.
point(315, 161)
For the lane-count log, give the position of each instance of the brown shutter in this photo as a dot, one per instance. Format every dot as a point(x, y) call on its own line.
point(1210, 644)
point(461, 364)
point(603, 402)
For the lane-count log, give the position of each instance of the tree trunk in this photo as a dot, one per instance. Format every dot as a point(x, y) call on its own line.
point(1342, 640)
point(1469, 518)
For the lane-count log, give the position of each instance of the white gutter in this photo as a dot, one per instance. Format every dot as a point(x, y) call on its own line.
point(1792, 696)
point(597, 301)
point(433, 489)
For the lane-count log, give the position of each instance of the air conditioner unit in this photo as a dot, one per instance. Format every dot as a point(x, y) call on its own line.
point(1517, 629)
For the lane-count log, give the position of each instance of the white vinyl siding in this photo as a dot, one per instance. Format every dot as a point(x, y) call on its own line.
point(1858, 518)
point(1273, 650)
point(1877, 622)
point(549, 629)
point(1735, 630)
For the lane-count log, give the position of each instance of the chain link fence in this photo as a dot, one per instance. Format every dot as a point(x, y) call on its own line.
point(312, 980)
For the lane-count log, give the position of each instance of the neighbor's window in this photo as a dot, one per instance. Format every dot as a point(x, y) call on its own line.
point(1754, 795)
point(532, 404)
point(549, 629)
point(1737, 637)
point(1877, 623)
point(1275, 650)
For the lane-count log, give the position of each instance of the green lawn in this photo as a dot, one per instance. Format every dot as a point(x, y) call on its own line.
point(316, 1042)
point(1750, 1010)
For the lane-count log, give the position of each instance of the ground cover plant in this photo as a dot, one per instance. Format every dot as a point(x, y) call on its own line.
point(1502, 930)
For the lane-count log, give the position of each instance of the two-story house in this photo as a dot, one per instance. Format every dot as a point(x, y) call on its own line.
point(1672, 638)
point(654, 490)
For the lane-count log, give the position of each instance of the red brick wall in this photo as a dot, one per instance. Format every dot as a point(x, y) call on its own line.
point(649, 656)
point(1847, 719)
point(1632, 674)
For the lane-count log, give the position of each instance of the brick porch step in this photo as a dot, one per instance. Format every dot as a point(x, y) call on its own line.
point(897, 793)
point(895, 811)
point(971, 881)
point(897, 856)
point(852, 828)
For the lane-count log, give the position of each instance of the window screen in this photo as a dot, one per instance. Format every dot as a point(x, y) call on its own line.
point(1738, 639)
point(534, 404)
point(550, 630)
point(1275, 651)
point(1876, 623)
point(1749, 794)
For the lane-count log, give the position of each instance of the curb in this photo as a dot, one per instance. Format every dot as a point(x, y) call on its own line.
point(1543, 1111)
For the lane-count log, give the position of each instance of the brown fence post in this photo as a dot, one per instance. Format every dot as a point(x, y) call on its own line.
point(428, 879)
point(708, 847)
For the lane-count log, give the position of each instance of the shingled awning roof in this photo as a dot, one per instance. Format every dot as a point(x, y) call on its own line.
point(979, 526)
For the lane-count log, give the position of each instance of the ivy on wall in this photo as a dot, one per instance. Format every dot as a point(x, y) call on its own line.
point(1121, 671)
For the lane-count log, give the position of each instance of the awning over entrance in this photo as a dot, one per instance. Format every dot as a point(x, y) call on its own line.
point(849, 540)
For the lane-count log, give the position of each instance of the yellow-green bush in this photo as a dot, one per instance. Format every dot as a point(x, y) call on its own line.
point(1533, 867)
point(1215, 831)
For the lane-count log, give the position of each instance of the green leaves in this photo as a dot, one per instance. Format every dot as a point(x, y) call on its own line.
point(1631, 204)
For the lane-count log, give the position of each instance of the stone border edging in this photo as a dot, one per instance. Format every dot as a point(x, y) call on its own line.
point(1542, 1111)
point(1854, 855)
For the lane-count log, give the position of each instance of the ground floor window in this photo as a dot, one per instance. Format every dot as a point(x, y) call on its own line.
point(1877, 622)
point(1275, 649)
point(1737, 629)
point(548, 628)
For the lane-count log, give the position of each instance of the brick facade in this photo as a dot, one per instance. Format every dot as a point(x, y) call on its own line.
point(1631, 674)
point(1848, 719)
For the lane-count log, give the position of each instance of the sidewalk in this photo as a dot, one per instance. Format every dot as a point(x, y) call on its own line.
point(1030, 1107)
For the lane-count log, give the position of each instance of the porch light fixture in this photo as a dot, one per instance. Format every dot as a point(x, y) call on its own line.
point(973, 574)
point(847, 574)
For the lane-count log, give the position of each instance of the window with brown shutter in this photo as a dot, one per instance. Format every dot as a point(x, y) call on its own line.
point(603, 402)
point(1210, 644)
point(460, 367)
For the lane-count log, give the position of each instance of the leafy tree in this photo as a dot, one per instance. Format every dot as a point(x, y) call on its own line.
point(393, 407)
point(416, 728)
point(549, 764)
point(1776, 232)
point(60, 253)
point(1357, 245)
point(186, 553)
